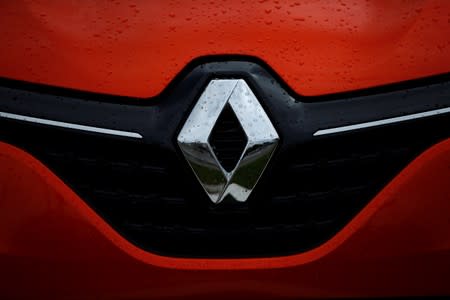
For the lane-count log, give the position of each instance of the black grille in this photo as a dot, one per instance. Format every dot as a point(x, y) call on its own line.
point(151, 197)
point(228, 139)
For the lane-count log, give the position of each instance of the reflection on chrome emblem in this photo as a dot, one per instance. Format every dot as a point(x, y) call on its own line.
point(262, 140)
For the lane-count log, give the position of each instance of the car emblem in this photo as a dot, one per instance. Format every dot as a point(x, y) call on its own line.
point(262, 140)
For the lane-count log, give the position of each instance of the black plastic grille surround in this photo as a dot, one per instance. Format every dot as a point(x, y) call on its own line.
point(152, 198)
point(144, 188)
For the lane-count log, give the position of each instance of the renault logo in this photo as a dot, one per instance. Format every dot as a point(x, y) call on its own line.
point(262, 140)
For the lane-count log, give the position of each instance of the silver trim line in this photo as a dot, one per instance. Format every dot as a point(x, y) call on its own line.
point(70, 125)
point(382, 122)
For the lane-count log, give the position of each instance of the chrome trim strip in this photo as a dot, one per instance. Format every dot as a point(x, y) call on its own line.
point(382, 122)
point(70, 125)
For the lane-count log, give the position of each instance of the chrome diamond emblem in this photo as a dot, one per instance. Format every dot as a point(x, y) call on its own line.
point(262, 140)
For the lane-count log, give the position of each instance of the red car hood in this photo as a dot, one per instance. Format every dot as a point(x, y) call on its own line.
point(136, 48)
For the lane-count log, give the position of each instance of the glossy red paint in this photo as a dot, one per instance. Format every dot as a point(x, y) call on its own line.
point(135, 48)
point(52, 245)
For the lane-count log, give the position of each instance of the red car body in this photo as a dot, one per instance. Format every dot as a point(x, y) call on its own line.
point(53, 245)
